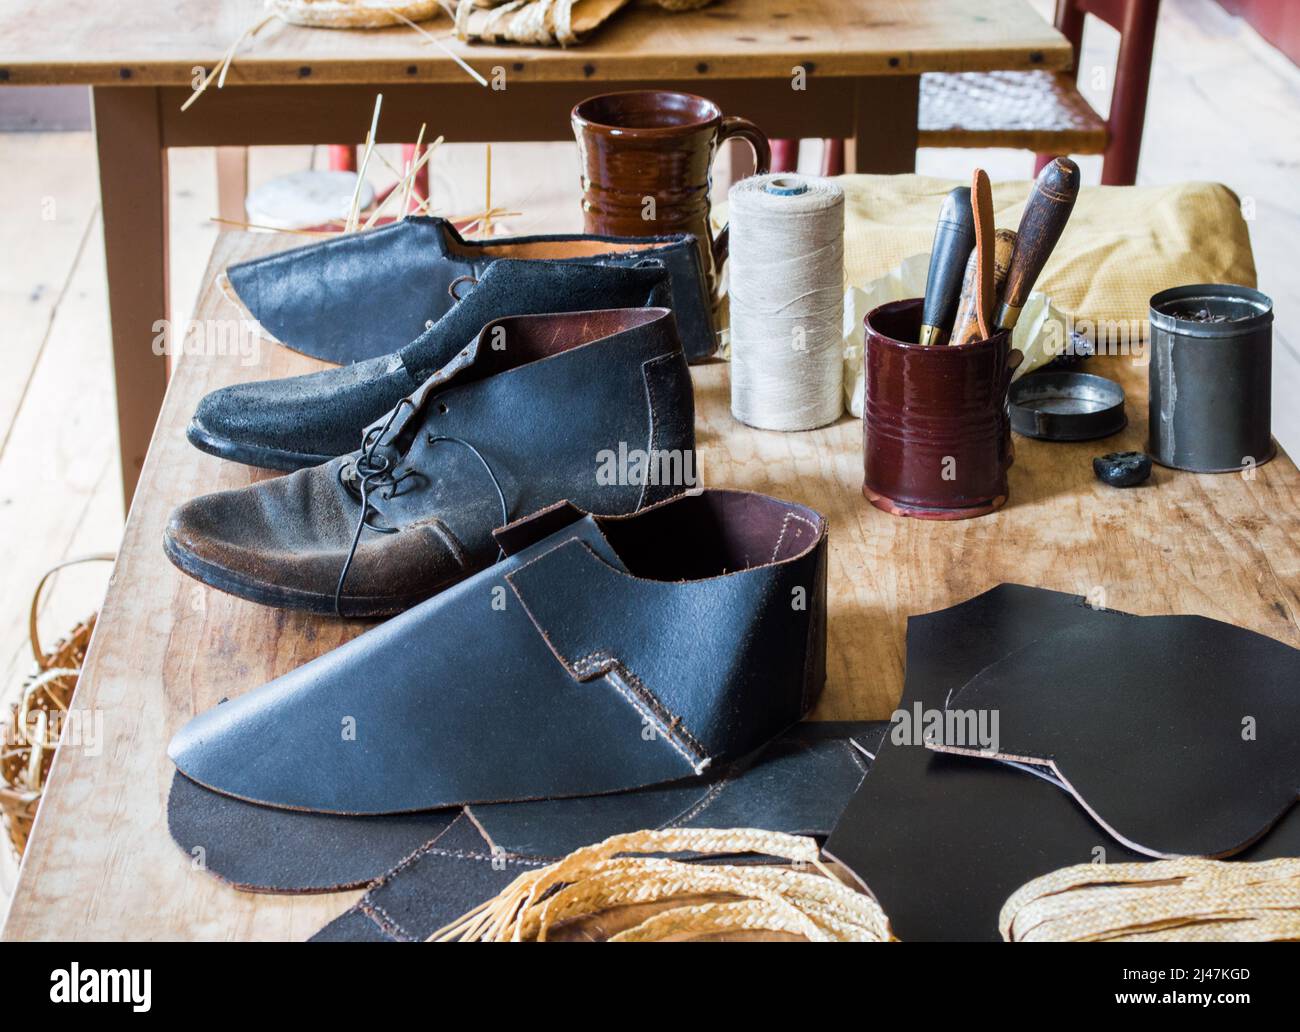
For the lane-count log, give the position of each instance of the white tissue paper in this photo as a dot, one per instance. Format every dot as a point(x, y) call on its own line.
point(1040, 333)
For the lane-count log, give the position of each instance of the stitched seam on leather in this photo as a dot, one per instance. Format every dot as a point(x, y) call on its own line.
point(585, 666)
point(700, 805)
point(385, 922)
point(647, 703)
point(785, 525)
point(642, 699)
point(855, 757)
point(409, 860)
point(513, 859)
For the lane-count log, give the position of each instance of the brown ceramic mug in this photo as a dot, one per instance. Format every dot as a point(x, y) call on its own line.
point(646, 160)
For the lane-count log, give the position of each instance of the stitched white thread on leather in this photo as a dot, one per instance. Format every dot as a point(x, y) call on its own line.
point(785, 291)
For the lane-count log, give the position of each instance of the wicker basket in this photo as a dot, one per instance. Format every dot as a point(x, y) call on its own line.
point(28, 744)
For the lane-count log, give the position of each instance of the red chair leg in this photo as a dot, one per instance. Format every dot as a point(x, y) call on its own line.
point(785, 155)
point(833, 157)
point(1128, 103)
point(342, 157)
point(1041, 161)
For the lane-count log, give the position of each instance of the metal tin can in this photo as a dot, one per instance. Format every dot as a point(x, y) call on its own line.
point(1211, 378)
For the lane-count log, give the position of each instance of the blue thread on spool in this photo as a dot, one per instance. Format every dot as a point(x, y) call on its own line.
point(786, 187)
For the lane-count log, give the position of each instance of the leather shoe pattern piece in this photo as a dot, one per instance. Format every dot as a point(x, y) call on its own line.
point(601, 655)
point(363, 295)
point(520, 419)
point(798, 783)
point(302, 421)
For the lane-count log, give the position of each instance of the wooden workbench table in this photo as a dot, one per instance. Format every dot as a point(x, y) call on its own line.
point(287, 85)
point(101, 864)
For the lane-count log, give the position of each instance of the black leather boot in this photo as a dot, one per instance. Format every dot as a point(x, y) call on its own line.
point(303, 421)
point(367, 294)
point(602, 654)
point(592, 407)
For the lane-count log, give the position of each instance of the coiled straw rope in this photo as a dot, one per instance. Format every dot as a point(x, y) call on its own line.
point(1187, 900)
point(812, 903)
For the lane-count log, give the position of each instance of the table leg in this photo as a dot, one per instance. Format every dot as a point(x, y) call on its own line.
point(885, 120)
point(232, 183)
point(133, 193)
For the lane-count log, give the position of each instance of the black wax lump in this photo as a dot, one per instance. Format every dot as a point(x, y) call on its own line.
point(1122, 469)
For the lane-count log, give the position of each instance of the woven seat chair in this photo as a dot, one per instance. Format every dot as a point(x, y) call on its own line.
point(1040, 111)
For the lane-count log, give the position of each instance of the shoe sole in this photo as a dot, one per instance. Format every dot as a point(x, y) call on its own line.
point(250, 454)
point(277, 597)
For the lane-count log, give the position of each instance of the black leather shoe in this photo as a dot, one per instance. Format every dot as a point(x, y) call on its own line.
point(303, 421)
point(367, 294)
point(537, 409)
point(602, 654)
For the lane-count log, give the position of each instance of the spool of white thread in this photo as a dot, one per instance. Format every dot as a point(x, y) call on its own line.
point(785, 288)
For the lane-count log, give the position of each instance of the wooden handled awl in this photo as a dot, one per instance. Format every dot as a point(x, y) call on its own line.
point(1046, 212)
point(966, 324)
point(954, 239)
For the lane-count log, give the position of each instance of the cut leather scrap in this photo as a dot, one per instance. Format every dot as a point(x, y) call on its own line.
point(1179, 734)
point(798, 784)
point(263, 849)
point(462, 698)
point(943, 840)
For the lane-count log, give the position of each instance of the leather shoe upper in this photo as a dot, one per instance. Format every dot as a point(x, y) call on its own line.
point(600, 655)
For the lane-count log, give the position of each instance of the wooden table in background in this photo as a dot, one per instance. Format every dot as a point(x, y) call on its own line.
point(290, 85)
point(101, 865)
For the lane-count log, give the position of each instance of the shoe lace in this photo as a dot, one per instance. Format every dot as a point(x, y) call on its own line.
point(371, 471)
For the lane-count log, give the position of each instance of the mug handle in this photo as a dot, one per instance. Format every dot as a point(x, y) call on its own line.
point(742, 129)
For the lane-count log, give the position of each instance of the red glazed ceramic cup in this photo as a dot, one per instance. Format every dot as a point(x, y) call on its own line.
point(657, 144)
point(936, 433)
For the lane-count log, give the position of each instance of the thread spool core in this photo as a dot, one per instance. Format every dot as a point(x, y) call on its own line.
point(785, 186)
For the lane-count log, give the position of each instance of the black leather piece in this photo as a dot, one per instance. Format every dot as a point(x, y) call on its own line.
point(612, 379)
point(364, 295)
point(798, 785)
point(608, 661)
point(443, 880)
point(943, 840)
point(1180, 734)
point(261, 849)
point(301, 421)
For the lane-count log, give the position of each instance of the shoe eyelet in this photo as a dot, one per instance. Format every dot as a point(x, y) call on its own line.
point(442, 408)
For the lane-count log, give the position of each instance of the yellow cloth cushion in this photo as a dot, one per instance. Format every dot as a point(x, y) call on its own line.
point(1121, 245)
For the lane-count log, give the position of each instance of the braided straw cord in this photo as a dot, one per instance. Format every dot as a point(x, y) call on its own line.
point(817, 906)
point(1188, 900)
